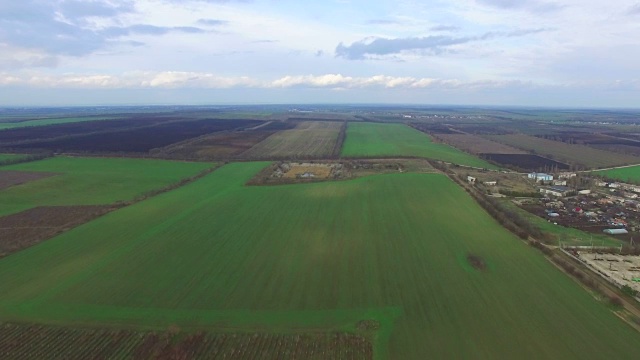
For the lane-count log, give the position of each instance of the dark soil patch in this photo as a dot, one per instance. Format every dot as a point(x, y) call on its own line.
point(27, 228)
point(477, 262)
point(11, 136)
point(140, 140)
point(10, 178)
point(527, 162)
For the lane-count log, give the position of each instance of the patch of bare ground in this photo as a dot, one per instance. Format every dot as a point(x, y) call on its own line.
point(35, 342)
point(30, 227)
point(10, 178)
point(286, 172)
point(477, 262)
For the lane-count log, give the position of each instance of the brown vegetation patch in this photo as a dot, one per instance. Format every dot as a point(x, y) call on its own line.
point(477, 262)
point(308, 140)
point(368, 325)
point(476, 144)
point(216, 146)
point(34, 342)
point(10, 178)
point(30, 227)
point(139, 140)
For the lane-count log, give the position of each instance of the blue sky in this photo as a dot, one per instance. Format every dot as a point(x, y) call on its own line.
point(572, 53)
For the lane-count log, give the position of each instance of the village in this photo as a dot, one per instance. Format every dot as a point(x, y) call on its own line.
point(578, 200)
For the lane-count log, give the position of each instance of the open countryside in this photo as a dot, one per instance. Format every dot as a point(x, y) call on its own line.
point(352, 240)
point(373, 139)
point(91, 181)
point(366, 249)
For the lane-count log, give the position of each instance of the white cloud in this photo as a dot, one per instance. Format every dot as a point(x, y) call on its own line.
point(180, 79)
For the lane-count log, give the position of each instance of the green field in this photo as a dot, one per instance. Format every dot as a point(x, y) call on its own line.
point(371, 140)
point(628, 174)
point(91, 181)
point(55, 121)
point(221, 256)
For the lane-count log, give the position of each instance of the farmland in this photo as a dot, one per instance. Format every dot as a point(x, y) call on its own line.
point(622, 143)
point(23, 135)
point(528, 162)
point(476, 145)
point(90, 181)
point(375, 140)
point(308, 139)
point(139, 140)
point(10, 178)
point(627, 174)
point(44, 342)
point(318, 257)
point(572, 154)
point(30, 227)
point(222, 145)
point(51, 121)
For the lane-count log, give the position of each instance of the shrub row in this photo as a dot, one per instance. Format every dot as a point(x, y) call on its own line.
point(26, 158)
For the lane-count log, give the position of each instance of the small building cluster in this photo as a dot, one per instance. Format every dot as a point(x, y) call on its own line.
point(587, 204)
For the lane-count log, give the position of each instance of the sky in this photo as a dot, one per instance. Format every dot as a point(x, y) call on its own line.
point(564, 53)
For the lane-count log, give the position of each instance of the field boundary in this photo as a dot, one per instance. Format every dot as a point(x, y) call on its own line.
point(342, 136)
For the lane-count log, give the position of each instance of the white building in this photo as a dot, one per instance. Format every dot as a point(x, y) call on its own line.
point(540, 176)
point(567, 175)
point(560, 182)
point(558, 191)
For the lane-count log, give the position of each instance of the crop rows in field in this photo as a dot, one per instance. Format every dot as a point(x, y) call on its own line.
point(572, 154)
point(222, 145)
point(388, 249)
point(42, 342)
point(375, 140)
point(140, 140)
point(309, 139)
